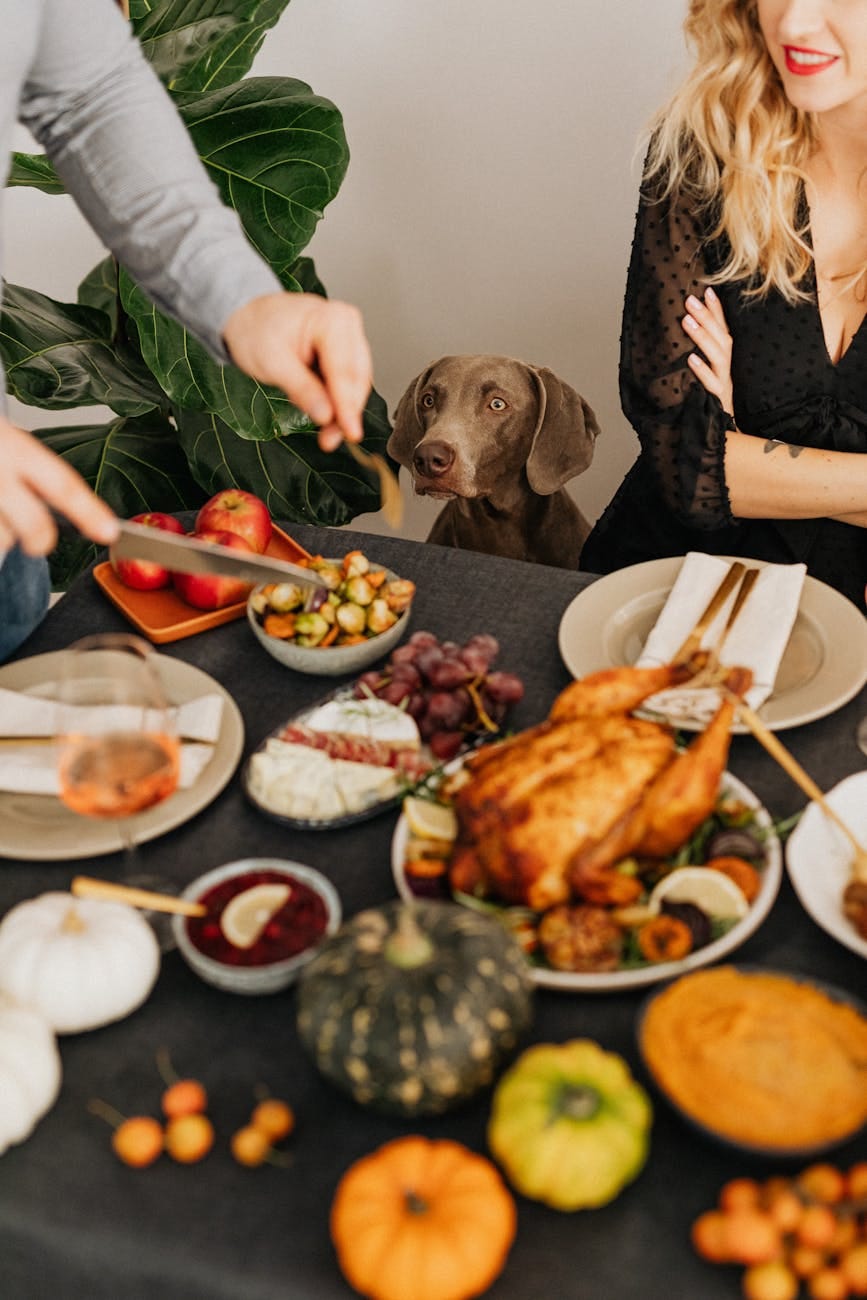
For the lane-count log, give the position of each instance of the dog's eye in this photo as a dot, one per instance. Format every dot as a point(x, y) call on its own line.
point(427, 400)
point(497, 404)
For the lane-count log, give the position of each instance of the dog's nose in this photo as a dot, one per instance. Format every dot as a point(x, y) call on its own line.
point(433, 459)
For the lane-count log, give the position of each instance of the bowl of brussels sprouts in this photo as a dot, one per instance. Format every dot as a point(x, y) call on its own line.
point(357, 614)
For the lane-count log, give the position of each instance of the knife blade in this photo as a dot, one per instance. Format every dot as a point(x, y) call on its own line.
point(176, 551)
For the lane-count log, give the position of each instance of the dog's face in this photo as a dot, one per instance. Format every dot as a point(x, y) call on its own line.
point(474, 426)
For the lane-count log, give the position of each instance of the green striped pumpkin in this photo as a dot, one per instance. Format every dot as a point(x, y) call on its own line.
point(411, 1007)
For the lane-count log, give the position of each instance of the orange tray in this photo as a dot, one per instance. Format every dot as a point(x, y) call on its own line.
point(162, 616)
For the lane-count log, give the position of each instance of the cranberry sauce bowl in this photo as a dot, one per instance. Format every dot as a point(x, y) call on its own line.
point(270, 951)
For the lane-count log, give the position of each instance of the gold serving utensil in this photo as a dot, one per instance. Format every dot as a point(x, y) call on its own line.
point(89, 887)
point(707, 676)
point(790, 764)
point(392, 500)
point(693, 641)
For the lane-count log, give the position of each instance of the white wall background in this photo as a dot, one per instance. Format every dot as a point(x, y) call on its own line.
point(490, 196)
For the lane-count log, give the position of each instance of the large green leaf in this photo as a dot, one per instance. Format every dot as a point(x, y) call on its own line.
point(35, 170)
point(278, 154)
point(60, 355)
point(291, 474)
point(134, 464)
point(99, 289)
point(201, 44)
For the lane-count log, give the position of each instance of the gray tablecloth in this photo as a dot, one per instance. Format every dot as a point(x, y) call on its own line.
point(76, 1224)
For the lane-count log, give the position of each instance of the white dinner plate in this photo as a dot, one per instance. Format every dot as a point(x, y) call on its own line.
point(34, 826)
point(823, 667)
point(610, 981)
point(818, 857)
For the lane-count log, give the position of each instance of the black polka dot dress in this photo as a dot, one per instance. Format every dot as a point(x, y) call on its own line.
point(674, 499)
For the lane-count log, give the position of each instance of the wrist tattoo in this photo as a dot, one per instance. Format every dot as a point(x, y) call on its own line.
point(773, 443)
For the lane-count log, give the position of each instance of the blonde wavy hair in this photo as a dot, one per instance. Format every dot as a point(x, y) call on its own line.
point(730, 142)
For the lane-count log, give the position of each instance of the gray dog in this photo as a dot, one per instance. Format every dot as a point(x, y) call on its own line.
point(497, 439)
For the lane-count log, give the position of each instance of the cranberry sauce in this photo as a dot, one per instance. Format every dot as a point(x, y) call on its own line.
point(297, 925)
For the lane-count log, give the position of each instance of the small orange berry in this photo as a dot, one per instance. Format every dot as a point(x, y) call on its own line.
point(856, 1181)
point(186, 1097)
point(771, 1281)
point(709, 1236)
point(275, 1118)
point(138, 1141)
point(250, 1146)
point(753, 1237)
point(739, 1193)
point(806, 1260)
point(785, 1208)
point(817, 1227)
point(189, 1138)
point(823, 1183)
point(853, 1264)
point(828, 1284)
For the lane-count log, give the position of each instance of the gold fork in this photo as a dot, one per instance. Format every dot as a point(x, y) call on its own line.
point(392, 501)
point(707, 676)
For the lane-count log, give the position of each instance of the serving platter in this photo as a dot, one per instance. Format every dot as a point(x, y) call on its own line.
point(823, 667)
point(40, 827)
point(163, 617)
point(639, 976)
point(818, 858)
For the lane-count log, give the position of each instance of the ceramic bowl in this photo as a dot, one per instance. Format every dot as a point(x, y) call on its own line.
point(332, 660)
point(266, 977)
point(801, 1150)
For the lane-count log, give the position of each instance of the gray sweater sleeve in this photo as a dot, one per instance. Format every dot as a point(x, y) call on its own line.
point(99, 110)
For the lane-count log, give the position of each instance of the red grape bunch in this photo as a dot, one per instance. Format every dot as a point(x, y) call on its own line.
point(448, 688)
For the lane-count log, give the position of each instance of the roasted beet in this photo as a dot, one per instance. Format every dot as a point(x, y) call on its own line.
point(693, 916)
point(732, 841)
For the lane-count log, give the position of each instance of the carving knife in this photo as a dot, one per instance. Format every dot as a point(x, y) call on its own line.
point(176, 551)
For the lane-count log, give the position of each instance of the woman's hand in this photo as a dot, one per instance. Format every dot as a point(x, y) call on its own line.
point(705, 324)
point(33, 481)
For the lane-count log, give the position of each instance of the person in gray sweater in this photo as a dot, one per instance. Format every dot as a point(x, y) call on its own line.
point(75, 75)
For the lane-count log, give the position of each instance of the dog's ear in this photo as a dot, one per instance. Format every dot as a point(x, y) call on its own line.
point(565, 435)
point(407, 428)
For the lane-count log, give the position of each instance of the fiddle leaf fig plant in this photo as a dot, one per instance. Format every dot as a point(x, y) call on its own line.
point(184, 426)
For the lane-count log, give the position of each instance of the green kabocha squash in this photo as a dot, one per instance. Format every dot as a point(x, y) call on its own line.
point(411, 1007)
point(569, 1124)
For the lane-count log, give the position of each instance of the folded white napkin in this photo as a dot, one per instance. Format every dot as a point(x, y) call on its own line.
point(757, 640)
point(32, 769)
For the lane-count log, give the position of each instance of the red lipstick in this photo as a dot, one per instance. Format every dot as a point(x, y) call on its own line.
point(806, 63)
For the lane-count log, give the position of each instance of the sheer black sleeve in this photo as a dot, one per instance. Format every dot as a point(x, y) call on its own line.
point(680, 425)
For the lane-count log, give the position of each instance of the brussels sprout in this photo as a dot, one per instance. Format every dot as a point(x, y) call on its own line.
point(355, 564)
point(330, 575)
point(398, 594)
point(351, 618)
point(259, 602)
point(285, 596)
point(379, 617)
point(358, 590)
point(310, 628)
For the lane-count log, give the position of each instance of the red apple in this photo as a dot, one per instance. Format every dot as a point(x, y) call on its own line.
point(235, 511)
point(144, 575)
point(213, 590)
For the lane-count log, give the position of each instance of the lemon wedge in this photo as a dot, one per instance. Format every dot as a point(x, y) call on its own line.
point(428, 820)
point(246, 915)
point(717, 895)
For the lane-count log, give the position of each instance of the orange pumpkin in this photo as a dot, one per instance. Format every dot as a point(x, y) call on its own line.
point(422, 1220)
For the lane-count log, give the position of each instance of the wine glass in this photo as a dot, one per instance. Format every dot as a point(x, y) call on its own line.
point(118, 753)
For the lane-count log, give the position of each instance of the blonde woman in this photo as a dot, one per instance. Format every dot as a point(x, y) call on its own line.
point(744, 350)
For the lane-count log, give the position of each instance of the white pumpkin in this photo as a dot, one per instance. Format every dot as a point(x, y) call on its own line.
point(81, 962)
point(29, 1071)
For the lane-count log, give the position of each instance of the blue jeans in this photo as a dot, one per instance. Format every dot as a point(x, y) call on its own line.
point(24, 591)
